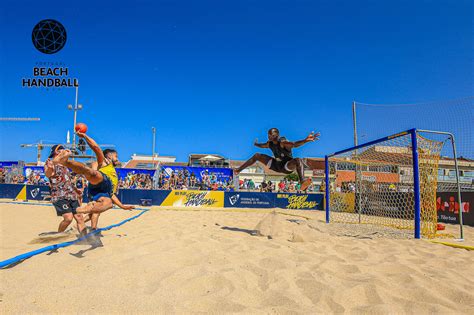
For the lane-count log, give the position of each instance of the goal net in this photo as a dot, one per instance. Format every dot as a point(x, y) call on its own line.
point(387, 182)
point(454, 116)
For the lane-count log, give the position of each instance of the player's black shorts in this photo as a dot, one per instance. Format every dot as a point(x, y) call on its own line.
point(64, 206)
point(279, 166)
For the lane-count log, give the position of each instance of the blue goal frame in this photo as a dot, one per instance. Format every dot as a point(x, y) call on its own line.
point(416, 173)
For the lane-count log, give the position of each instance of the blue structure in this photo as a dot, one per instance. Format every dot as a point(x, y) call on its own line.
point(416, 178)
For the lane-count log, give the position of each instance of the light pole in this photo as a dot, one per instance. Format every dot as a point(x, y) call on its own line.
point(153, 130)
point(75, 108)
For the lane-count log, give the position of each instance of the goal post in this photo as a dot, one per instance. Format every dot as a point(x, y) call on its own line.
point(389, 182)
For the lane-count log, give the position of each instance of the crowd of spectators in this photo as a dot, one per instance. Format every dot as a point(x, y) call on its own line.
point(185, 180)
point(11, 176)
point(136, 181)
point(284, 185)
point(178, 179)
point(35, 178)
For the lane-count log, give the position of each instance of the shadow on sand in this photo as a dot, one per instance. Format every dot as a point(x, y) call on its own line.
point(235, 229)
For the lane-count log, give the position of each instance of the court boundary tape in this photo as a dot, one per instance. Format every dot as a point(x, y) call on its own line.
point(19, 258)
point(466, 247)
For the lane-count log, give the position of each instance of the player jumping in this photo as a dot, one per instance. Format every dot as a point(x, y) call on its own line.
point(102, 179)
point(283, 161)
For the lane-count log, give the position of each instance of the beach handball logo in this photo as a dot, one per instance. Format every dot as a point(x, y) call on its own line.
point(49, 36)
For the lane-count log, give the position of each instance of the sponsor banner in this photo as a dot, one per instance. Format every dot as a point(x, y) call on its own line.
point(10, 191)
point(448, 207)
point(36, 192)
point(35, 171)
point(194, 198)
point(222, 174)
point(249, 200)
point(8, 163)
point(134, 196)
point(123, 173)
point(299, 201)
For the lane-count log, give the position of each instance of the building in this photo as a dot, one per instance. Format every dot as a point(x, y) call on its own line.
point(151, 162)
point(208, 160)
point(386, 164)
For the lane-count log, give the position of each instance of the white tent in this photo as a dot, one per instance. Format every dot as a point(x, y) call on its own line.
point(210, 158)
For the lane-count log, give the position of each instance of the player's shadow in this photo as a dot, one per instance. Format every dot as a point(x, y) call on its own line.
point(235, 229)
point(92, 240)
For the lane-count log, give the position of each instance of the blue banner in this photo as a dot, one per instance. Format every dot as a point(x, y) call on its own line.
point(245, 199)
point(221, 174)
point(8, 163)
point(34, 175)
point(10, 191)
point(34, 192)
point(134, 196)
point(299, 201)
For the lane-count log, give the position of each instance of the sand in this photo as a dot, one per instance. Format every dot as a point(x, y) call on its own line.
point(216, 262)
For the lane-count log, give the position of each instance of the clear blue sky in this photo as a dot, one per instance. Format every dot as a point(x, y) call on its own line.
point(212, 76)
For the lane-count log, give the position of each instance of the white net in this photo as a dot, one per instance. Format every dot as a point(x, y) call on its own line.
point(455, 116)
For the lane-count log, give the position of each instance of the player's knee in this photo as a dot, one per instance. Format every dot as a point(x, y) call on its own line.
point(94, 177)
point(67, 218)
point(257, 156)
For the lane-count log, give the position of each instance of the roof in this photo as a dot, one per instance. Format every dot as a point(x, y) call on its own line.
point(199, 156)
point(140, 163)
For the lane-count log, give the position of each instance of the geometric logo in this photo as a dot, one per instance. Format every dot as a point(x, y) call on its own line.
point(34, 192)
point(49, 36)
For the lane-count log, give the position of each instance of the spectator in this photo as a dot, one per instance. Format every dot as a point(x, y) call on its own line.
point(263, 186)
point(251, 184)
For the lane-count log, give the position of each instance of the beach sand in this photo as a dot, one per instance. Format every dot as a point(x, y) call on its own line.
point(221, 262)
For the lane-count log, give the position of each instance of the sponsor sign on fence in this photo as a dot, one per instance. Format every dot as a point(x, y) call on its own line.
point(249, 200)
point(448, 207)
point(37, 192)
point(299, 201)
point(194, 198)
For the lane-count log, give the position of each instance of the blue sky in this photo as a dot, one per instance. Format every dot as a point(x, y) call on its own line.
point(212, 76)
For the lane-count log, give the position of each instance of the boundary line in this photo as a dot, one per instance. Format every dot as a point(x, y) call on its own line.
point(19, 258)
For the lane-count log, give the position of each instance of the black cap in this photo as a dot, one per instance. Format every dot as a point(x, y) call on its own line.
point(54, 149)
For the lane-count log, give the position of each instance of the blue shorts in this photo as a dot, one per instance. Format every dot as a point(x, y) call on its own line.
point(102, 189)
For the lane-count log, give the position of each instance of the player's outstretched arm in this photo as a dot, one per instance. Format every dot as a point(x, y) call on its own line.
point(94, 146)
point(117, 201)
point(310, 138)
point(261, 145)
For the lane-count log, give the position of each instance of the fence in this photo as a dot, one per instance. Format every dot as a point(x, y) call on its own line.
point(447, 206)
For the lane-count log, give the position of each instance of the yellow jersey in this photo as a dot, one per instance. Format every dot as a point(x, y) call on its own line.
point(109, 170)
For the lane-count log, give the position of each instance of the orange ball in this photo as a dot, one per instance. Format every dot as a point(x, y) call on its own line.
point(80, 127)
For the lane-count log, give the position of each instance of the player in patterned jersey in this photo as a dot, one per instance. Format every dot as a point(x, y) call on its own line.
point(63, 194)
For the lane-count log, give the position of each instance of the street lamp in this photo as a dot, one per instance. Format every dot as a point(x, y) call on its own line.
point(153, 130)
point(76, 107)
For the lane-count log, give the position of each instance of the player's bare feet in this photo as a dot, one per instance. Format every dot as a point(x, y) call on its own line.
point(305, 184)
point(62, 157)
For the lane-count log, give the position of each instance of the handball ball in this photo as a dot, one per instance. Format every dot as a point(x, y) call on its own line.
point(80, 127)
